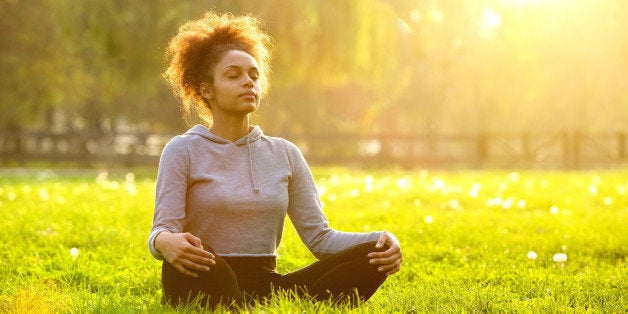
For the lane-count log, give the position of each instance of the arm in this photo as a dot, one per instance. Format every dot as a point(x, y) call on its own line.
point(307, 216)
point(166, 241)
point(304, 209)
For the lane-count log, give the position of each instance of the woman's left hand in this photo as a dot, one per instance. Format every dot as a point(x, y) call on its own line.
point(390, 259)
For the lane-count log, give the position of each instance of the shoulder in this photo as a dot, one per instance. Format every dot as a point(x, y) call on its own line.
point(179, 146)
point(182, 141)
point(177, 143)
point(290, 148)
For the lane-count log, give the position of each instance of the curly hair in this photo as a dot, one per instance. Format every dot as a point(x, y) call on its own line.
point(199, 45)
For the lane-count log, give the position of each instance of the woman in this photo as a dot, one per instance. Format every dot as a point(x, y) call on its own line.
point(224, 188)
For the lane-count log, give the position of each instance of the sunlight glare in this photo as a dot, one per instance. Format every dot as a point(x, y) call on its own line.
point(491, 18)
point(416, 16)
point(436, 15)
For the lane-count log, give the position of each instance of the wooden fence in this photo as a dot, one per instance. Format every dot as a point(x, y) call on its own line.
point(531, 150)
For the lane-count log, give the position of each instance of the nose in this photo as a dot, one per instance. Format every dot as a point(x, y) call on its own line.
point(248, 82)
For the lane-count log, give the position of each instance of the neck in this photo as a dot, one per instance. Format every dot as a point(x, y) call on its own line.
point(233, 130)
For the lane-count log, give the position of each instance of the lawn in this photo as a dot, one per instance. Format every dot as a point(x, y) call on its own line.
point(75, 241)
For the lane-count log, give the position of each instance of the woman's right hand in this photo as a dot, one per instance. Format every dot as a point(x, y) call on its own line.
point(184, 252)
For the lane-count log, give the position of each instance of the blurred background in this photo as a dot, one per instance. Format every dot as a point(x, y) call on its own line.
point(416, 83)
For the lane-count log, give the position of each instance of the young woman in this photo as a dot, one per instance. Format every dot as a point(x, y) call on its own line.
point(224, 188)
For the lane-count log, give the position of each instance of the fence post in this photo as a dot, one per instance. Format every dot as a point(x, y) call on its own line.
point(567, 151)
point(577, 143)
point(621, 147)
point(527, 153)
point(482, 149)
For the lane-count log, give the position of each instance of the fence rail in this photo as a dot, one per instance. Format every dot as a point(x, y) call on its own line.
point(562, 150)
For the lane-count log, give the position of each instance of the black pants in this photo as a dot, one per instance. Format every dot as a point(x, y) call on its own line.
point(345, 277)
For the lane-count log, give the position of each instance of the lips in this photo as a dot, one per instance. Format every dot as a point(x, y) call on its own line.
point(248, 94)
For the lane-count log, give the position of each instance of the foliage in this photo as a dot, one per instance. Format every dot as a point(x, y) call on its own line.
point(372, 65)
point(466, 238)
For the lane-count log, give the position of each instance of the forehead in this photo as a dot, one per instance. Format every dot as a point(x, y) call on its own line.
point(237, 58)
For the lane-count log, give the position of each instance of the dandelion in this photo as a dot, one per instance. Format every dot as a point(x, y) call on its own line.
point(554, 210)
point(438, 184)
point(560, 259)
point(355, 193)
point(74, 253)
point(368, 184)
point(531, 255)
point(404, 184)
point(453, 203)
point(26, 189)
point(130, 188)
point(111, 185)
point(103, 175)
point(522, 203)
point(593, 190)
point(129, 177)
point(428, 219)
point(608, 201)
point(475, 190)
point(508, 203)
point(514, 176)
point(59, 199)
point(43, 194)
point(494, 202)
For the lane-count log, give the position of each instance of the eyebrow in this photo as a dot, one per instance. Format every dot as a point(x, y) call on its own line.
point(239, 67)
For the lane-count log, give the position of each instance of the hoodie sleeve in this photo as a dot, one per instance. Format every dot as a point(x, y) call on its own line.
point(305, 212)
point(171, 190)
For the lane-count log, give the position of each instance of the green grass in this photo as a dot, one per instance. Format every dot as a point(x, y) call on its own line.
point(465, 238)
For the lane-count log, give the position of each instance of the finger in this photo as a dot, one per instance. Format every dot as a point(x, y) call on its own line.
point(387, 267)
point(394, 270)
point(201, 260)
point(195, 241)
point(185, 271)
point(382, 240)
point(394, 249)
point(200, 252)
point(386, 259)
point(195, 266)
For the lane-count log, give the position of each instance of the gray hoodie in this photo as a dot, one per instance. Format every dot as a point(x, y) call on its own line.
point(234, 196)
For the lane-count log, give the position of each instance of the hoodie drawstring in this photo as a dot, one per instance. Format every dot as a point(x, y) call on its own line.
point(248, 145)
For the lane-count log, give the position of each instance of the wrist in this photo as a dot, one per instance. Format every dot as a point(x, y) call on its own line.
point(159, 239)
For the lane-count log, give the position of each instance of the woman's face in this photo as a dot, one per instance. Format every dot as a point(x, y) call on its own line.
point(236, 87)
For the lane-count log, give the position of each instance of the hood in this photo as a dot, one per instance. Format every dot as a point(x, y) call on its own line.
point(254, 135)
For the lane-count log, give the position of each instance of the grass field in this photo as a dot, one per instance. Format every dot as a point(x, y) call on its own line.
point(472, 241)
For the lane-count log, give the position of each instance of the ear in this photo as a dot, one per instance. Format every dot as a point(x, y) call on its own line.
point(206, 91)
